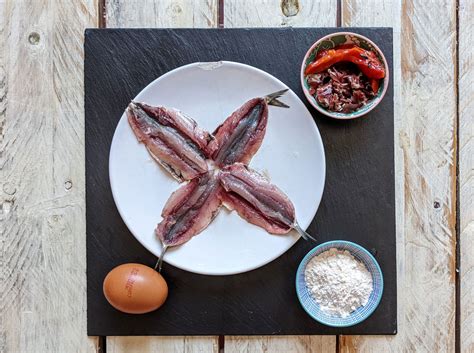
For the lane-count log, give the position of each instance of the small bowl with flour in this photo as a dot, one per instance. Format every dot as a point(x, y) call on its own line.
point(339, 283)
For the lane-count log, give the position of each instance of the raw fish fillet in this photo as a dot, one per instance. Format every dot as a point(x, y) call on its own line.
point(240, 136)
point(256, 200)
point(190, 209)
point(213, 167)
point(173, 139)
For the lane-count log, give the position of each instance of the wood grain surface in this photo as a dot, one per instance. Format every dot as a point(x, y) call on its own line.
point(280, 344)
point(426, 172)
point(466, 173)
point(141, 344)
point(274, 13)
point(43, 258)
point(160, 14)
point(277, 13)
point(167, 13)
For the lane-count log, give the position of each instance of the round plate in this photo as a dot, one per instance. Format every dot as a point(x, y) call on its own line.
point(291, 155)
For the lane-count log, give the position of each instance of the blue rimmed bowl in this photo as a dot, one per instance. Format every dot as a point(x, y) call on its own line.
point(333, 40)
point(360, 314)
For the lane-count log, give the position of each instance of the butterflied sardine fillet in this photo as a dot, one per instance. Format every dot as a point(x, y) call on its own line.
point(173, 139)
point(256, 199)
point(239, 137)
point(190, 209)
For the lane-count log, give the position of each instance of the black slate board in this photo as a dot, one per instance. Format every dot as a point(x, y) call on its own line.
point(358, 202)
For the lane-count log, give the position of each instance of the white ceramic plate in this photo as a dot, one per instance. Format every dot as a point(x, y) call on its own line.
point(292, 155)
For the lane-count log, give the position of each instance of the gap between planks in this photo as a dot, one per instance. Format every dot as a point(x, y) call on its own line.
point(101, 11)
point(457, 322)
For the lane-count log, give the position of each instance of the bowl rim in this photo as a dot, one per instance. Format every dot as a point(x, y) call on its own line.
point(311, 99)
point(311, 253)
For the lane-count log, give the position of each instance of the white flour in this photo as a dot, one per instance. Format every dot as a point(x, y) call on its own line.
point(338, 282)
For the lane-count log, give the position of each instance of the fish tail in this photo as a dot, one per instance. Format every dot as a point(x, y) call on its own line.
point(135, 108)
point(272, 99)
point(159, 263)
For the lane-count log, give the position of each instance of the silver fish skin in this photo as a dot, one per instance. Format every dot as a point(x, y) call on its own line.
point(173, 139)
point(240, 136)
point(256, 200)
point(190, 209)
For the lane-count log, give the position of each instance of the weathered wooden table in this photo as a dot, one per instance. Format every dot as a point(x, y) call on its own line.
point(43, 282)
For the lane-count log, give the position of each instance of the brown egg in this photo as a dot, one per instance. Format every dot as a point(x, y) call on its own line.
point(135, 288)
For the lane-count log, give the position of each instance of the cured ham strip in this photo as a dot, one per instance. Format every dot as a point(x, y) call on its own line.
point(239, 137)
point(256, 200)
point(190, 209)
point(173, 139)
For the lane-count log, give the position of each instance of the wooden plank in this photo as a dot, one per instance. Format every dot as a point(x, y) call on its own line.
point(275, 13)
point(425, 172)
point(163, 13)
point(280, 344)
point(162, 344)
point(43, 253)
point(466, 172)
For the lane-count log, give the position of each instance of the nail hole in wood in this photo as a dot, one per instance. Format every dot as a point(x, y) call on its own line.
point(177, 9)
point(436, 204)
point(290, 7)
point(68, 184)
point(34, 38)
point(9, 189)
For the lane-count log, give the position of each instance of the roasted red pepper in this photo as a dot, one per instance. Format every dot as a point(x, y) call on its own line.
point(374, 83)
point(366, 60)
